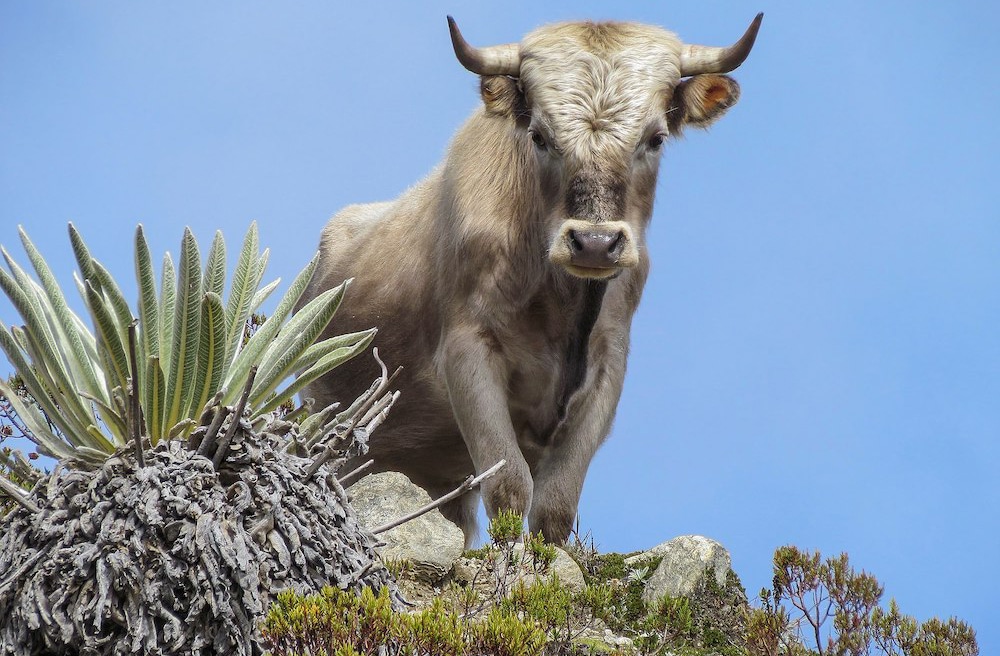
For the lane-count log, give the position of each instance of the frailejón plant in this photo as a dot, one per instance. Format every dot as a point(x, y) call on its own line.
point(188, 348)
point(184, 499)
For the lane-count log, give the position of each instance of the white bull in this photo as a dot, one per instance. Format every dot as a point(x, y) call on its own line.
point(505, 281)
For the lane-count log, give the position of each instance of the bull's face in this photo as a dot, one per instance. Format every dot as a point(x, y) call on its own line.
point(594, 103)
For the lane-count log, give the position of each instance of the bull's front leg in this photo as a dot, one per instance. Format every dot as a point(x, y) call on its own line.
point(476, 381)
point(559, 475)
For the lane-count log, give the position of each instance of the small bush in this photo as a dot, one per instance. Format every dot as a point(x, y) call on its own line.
point(668, 624)
point(809, 592)
point(342, 623)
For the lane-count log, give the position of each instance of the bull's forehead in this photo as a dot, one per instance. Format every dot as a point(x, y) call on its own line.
point(599, 84)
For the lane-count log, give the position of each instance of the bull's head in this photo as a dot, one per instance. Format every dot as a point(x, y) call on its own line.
point(595, 102)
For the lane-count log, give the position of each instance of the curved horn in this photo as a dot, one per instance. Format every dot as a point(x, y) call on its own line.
point(697, 59)
point(493, 60)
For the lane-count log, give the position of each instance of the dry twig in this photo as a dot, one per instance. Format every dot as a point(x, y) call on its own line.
point(346, 479)
point(17, 494)
point(470, 482)
point(220, 453)
point(134, 409)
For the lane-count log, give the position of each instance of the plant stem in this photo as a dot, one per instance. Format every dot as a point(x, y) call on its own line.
point(345, 479)
point(15, 493)
point(220, 454)
point(134, 409)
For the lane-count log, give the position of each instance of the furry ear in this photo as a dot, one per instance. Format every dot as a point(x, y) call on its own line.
point(502, 95)
point(701, 100)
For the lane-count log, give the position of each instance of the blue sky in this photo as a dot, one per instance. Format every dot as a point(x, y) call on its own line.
point(817, 357)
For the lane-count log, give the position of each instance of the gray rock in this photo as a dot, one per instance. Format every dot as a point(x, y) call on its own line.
point(563, 566)
point(430, 543)
point(466, 570)
point(469, 569)
point(686, 561)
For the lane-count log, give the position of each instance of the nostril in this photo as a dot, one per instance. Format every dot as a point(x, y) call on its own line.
point(574, 242)
point(617, 243)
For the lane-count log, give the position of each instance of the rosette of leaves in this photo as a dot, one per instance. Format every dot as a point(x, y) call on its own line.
point(189, 347)
point(184, 497)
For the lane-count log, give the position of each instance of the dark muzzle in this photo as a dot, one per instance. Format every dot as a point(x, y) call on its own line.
point(595, 248)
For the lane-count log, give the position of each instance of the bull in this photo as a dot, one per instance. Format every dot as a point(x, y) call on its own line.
point(506, 280)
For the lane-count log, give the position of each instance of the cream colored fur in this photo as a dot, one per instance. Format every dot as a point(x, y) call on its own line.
point(469, 274)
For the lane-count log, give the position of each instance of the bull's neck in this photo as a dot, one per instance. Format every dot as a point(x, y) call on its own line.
point(493, 203)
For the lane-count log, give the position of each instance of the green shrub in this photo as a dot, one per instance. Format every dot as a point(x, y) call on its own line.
point(506, 527)
point(366, 625)
point(824, 606)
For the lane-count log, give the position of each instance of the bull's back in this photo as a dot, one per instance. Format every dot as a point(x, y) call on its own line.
point(384, 248)
point(346, 232)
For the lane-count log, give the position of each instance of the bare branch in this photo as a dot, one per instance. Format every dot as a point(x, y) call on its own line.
point(361, 412)
point(381, 364)
point(379, 409)
point(346, 478)
point(220, 453)
point(209, 438)
point(469, 483)
point(381, 416)
point(17, 494)
point(377, 395)
point(134, 409)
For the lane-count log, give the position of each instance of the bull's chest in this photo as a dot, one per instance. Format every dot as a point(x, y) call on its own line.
point(548, 360)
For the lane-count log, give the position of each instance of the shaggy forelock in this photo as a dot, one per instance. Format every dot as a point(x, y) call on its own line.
point(598, 84)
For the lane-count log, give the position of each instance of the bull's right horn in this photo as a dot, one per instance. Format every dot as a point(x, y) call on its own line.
point(492, 60)
point(696, 59)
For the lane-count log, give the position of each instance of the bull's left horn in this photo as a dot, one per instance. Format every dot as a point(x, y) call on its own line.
point(493, 60)
point(696, 59)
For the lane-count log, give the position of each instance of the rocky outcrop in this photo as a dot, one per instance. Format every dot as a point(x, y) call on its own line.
point(686, 561)
point(429, 544)
point(690, 566)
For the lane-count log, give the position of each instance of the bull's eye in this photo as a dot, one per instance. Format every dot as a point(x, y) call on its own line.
point(538, 139)
point(655, 141)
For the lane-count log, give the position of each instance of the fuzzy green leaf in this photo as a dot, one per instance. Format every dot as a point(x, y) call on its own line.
point(184, 340)
point(83, 257)
point(72, 410)
point(265, 257)
point(280, 359)
point(26, 297)
point(256, 346)
point(211, 351)
point(241, 292)
point(319, 350)
point(109, 339)
point(262, 294)
point(48, 442)
point(122, 314)
point(153, 395)
point(37, 339)
point(114, 418)
point(168, 301)
point(80, 364)
point(67, 423)
point(148, 306)
point(215, 267)
point(331, 360)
